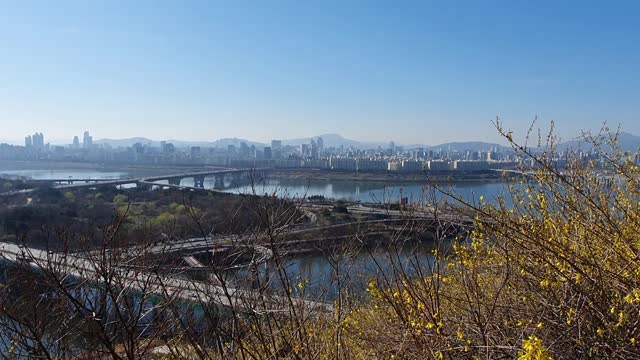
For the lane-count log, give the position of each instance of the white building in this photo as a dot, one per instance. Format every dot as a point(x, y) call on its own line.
point(343, 164)
point(412, 166)
point(439, 165)
point(395, 166)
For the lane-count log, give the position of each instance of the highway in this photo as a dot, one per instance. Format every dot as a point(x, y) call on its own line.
point(154, 283)
point(147, 181)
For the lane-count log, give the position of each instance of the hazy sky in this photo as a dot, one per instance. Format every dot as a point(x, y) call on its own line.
point(415, 72)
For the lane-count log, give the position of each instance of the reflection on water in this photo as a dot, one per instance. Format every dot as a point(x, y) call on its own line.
point(325, 273)
point(370, 191)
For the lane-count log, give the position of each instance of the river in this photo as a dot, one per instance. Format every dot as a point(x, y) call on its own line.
point(324, 273)
point(363, 191)
point(371, 191)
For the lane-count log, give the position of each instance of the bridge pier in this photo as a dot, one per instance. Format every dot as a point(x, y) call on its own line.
point(236, 179)
point(219, 184)
point(174, 181)
point(198, 181)
point(143, 186)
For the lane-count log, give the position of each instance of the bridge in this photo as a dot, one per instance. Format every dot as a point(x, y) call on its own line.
point(219, 175)
point(172, 180)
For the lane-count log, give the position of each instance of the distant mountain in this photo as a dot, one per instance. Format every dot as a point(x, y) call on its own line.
point(11, 142)
point(221, 143)
point(330, 140)
point(335, 140)
point(626, 141)
point(629, 142)
point(470, 146)
point(127, 142)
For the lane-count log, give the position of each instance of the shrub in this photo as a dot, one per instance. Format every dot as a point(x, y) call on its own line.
point(556, 275)
point(551, 271)
point(120, 199)
point(340, 209)
point(69, 196)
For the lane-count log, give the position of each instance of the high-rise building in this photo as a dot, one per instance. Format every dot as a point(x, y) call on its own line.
point(276, 149)
point(138, 148)
point(87, 140)
point(244, 149)
point(314, 149)
point(38, 140)
point(305, 149)
point(268, 155)
point(76, 142)
point(168, 148)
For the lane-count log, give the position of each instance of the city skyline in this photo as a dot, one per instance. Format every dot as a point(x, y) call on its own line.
point(79, 140)
point(312, 153)
point(82, 142)
point(414, 72)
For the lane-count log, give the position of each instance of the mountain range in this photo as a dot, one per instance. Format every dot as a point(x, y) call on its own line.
point(221, 143)
point(627, 142)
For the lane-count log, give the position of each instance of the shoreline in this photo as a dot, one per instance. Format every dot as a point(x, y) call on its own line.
point(321, 175)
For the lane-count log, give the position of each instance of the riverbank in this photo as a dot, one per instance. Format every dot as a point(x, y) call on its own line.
point(489, 176)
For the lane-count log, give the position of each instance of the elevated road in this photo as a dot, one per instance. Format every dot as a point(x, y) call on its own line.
point(187, 247)
point(398, 214)
point(172, 179)
point(204, 174)
point(151, 282)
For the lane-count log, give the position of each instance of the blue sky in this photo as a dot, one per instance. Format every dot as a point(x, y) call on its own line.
point(413, 72)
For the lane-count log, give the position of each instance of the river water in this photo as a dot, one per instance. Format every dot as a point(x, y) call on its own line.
point(372, 191)
point(363, 191)
point(324, 273)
